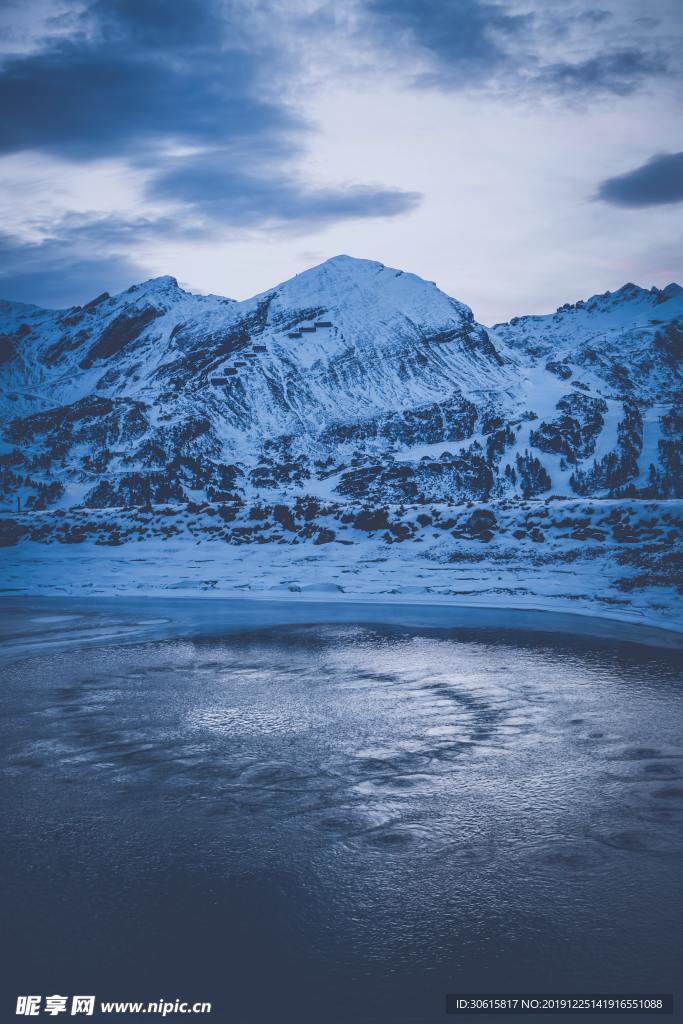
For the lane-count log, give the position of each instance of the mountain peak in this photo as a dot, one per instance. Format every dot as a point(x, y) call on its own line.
point(345, 262)
point(634, 293)
point(165, 283)
point(366, 291)
point(159, 291)
point(343, 265)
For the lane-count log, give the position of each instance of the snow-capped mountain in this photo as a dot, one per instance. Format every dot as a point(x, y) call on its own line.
point(351, 379)
point(354, 404)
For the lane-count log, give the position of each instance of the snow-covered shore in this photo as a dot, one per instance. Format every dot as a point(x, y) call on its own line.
point(632, 581)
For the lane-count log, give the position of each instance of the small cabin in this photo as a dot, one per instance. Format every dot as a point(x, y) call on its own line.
point(260, 348)
point(226, 372)
point(240, 364)
point(306, 330)
point(294, 334)
point(323, 323)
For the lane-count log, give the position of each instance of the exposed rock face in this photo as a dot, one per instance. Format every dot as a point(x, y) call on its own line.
point(574, 431)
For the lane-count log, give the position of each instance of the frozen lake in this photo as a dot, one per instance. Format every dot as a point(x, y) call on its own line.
point(341, 819)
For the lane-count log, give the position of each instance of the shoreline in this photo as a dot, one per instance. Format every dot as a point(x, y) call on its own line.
point(149, 617)
point(322, 596)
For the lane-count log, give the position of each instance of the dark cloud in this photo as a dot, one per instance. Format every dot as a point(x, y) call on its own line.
point(88, 103)
point(462, 39)
point(474, 43)
point(92, 98)
point(141, 78)
point(77, 259)
point(655, 183)
point(620, 73)
point(156, 24)
point(220, 189)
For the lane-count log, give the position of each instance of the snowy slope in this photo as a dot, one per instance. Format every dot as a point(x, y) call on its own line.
point(629, 340)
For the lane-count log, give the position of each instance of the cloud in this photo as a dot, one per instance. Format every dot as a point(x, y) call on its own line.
point(92, 99)
point(145, 80)
point(217, 188)
point(655, 183)
point(620, 73)
point(534, 49)
point(462, 39)
point(78, 258)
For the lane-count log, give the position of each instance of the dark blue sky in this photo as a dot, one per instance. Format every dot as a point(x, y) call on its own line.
point(231, 142)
